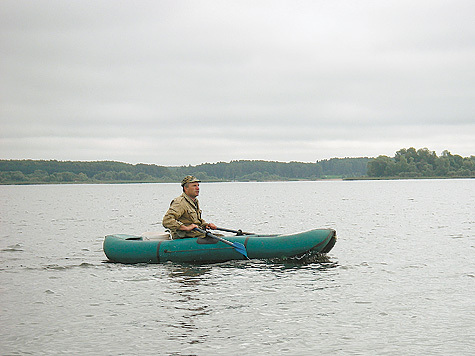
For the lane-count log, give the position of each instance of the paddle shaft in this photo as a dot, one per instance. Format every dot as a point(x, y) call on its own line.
point(236, 245)
point(207, 233)
point(239, 232)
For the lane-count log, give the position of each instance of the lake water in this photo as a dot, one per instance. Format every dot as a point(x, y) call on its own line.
point(399, 281)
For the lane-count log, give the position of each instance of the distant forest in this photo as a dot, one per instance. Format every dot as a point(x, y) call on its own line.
point(406, 163)
point(52, 171)
point(421, 163)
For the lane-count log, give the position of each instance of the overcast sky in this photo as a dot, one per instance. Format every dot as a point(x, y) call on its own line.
point(187, 82)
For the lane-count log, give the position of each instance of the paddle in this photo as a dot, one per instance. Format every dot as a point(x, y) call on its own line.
point(238, 232)
point(237, 246)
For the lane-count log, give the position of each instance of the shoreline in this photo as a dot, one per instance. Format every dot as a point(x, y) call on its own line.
point(405, 178)
point(239, 181)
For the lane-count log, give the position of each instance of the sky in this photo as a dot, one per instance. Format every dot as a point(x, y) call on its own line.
point(176, 82)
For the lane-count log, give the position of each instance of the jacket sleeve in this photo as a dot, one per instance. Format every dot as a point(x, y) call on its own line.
point(170, 220)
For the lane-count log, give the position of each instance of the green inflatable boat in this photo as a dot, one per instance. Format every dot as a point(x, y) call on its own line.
point(153, 248)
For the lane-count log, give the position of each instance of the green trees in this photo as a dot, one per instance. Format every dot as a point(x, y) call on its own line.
point(421, 163)
point(38, 171)
point(31, 171)
point(381, 167)
point(258, 170)
point(405, 163)
point(346, 167)
point(271, 170)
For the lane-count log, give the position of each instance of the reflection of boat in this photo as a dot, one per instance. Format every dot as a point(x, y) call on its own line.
point(145, 249)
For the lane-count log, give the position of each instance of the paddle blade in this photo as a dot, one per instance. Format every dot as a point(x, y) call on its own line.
point(240, 248)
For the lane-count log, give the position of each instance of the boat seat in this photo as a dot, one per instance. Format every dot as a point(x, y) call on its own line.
point(156, 235)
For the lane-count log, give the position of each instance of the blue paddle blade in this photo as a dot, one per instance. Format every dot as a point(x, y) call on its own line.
point(240, 248)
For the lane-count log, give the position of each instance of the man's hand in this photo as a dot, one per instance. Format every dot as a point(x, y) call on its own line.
point(188, 227)
point(211, 226)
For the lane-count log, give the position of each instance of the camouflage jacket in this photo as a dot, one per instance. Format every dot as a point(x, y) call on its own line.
point(183, 211)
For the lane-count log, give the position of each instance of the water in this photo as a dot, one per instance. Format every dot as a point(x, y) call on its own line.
point(399, 281)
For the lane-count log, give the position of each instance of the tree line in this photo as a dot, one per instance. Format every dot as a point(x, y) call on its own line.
point(412, 163)
point(406, 163)
point(53, 171)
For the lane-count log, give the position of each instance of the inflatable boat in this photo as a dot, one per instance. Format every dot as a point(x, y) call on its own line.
point(158, 248)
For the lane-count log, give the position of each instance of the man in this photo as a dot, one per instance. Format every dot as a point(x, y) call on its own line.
point(184, 213)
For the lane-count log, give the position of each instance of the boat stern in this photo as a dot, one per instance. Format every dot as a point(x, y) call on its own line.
point(327, 244)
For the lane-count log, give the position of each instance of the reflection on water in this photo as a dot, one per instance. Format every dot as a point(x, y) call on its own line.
point(200, 292)
point(190, 308)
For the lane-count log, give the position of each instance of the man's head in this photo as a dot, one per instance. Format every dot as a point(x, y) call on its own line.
point(191, 186)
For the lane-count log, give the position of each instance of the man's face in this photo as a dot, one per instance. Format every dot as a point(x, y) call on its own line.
point(192, 189)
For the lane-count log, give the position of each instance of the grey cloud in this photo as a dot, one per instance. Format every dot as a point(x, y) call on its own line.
point(340, 72)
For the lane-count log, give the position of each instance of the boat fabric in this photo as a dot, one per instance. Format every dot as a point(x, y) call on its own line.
point(126, 248)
